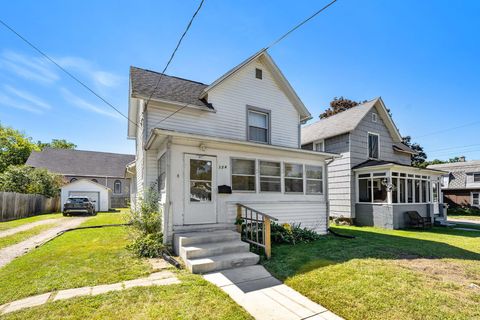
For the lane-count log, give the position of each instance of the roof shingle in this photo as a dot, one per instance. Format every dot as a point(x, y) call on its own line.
point(81, 162)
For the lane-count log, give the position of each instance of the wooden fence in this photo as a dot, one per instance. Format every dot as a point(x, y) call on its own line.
point(18, 205)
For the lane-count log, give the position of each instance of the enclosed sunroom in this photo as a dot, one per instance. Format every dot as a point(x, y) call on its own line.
point(385, 191)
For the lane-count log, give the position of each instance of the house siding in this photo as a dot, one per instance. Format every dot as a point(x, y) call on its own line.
point(139, 152)
point(230, 99)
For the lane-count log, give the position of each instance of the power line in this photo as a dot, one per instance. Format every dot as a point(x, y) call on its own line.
point(268, 47)
point(453, 148)
point(64, 70)
point(174, 52)
point(448, 129)
point(300, 24)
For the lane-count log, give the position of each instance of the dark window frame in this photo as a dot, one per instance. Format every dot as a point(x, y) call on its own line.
point(258, 73)
point(115, 187)
point(268, 113)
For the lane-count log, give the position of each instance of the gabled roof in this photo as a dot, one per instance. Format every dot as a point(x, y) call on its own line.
point(465, 166)
point(80, 162)
point(277, 75)
point(169, 88)
point(347, 121)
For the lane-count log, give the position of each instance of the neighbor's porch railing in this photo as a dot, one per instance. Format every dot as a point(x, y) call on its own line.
point(255, 227)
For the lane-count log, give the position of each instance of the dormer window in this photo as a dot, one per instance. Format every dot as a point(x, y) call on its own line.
point(258, 125)
point(258, 73)
point(374, 117)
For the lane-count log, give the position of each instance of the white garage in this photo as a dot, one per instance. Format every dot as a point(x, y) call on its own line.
point(98, 194)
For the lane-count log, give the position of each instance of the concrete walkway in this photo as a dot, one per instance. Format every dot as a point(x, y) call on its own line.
point(9, 253)
point(155, 279)
point(26, 227)
point(465, 221)
point(265, 297)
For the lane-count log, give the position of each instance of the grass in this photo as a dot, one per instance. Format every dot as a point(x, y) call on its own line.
point(464, 217)
point(23, 235)
point(19, 222)
point(194, 298)
point(385, 274)
point(75, 259)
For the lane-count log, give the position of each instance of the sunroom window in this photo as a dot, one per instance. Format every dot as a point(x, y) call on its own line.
point(243, 175)
point(293, 177)
point(314, 176)
point(270, 176)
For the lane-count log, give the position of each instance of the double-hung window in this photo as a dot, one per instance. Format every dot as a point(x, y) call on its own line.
point(475, 199)
point(476, 177)
point(258, 125)
point(293, 177)
point(373, 145)
point(319, 146)
point(243, 175)
point(270, 176)
point(314, 176)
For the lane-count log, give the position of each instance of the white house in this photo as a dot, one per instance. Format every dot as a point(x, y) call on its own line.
point(196, 141)
point(97, 193)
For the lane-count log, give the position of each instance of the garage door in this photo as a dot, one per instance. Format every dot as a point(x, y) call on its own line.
point(92, 195)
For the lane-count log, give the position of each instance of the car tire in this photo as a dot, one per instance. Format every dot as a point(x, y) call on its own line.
point(64, 214)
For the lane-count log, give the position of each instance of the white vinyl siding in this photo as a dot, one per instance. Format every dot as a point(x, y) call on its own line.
point(230, 99)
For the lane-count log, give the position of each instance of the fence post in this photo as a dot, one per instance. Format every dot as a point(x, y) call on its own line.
point(268, 244)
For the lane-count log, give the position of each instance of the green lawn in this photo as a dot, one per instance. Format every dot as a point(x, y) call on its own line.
point(23, 235)
point(16, 223)
point(385, 274)
point(75, 259)
point(194, 298)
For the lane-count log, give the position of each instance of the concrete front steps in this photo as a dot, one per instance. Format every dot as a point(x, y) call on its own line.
point(211, 251)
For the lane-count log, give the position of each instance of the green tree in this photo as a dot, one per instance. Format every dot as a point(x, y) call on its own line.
point(57, 144)
point(420, 157)
point(15, 147)
point(338, 105)
point(23, 179)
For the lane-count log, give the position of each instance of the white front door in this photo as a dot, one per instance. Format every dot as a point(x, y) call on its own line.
point(200, 195)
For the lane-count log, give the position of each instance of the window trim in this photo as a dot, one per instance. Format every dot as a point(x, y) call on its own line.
point(244, 175)
point(317, 142)
point(269, 123)
point(114, 187)
point(258, 71)
point(471, 199)
point(374, 117)
point(368, 145)
point(164, 158)
point(475, 174)
point(314, 179)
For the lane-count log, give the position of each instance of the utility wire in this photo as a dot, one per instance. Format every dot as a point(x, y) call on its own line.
point(448, 129)
point(173, 53)
point(300, 24)
point(268, 47)
point(65, 70)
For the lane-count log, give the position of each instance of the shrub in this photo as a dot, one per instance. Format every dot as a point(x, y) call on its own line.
point(292, 233)
point(147, 236)
point(24, 179)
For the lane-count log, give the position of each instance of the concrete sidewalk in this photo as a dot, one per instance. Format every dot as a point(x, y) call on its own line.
point(9, 253)
point(265, 297)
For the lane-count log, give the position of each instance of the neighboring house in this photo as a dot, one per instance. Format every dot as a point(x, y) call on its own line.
point(240, 132)
point(461, 184)
point(373, 183)
point(106, 169)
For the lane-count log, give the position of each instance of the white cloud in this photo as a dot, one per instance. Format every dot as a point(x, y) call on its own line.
point(13, 103)
point(27, 97)
point(83, 104)
point(28, 67)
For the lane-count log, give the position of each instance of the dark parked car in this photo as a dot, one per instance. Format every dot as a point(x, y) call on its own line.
point(79, 205)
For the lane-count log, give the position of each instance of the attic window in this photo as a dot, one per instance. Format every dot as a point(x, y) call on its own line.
point(374, 117)
point(258, 73)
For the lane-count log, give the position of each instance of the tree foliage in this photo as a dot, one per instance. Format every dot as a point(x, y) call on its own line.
point(338, 105)
point(15, 147)
point(23, 179)
point(419, 158)
point(57, 144)
point(438, 161)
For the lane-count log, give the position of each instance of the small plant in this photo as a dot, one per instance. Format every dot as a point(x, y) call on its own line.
point(147, 226)
point(292, 234)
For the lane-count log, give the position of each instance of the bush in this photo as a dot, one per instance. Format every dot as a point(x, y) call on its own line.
point(24, 179)
point(147, 236)
point(292, 234)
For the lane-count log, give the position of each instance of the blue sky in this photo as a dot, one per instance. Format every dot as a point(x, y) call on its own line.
point(420, 56)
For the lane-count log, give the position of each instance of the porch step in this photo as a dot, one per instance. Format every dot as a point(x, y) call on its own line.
point(191, 238)
point(203, 250)
point(221, 262)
